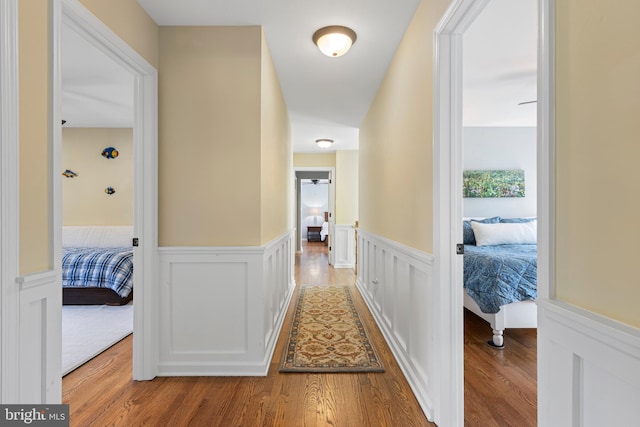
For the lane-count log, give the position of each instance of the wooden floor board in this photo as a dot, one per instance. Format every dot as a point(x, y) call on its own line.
point(499, 384)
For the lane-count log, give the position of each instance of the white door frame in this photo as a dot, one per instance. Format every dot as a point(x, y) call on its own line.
point(448, 188)
point(145, 205)
point(9, 225)
point(331, 204)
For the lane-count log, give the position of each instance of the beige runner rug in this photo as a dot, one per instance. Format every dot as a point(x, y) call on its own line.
point(327, 334)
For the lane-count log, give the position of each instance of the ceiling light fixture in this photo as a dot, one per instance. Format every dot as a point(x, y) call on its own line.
point(334, 40)
point(324, 142)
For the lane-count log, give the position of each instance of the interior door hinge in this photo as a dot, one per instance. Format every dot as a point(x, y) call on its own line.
point(460, 249)
point(136, 242)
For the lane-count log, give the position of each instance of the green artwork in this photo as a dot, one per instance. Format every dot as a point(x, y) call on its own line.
point(493, 183)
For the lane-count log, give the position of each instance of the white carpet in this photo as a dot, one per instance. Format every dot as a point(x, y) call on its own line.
point(88, 330)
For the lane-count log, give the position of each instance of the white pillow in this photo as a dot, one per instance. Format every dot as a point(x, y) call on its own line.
point(90, 236)
point(510, 233)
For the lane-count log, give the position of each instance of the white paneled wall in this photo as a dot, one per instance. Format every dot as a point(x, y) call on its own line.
point(344, 246)
point(397, 284)
point(221, 308)
point(589, 368)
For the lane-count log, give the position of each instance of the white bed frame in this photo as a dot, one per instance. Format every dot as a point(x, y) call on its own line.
point(521, 314)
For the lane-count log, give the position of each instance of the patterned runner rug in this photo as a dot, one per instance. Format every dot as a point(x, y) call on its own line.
point(327, 334)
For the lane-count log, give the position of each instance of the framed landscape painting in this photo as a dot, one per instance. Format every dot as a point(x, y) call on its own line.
point(493, 183)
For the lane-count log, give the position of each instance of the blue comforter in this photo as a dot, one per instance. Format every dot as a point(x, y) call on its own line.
point(98, 267)
point(499, 275)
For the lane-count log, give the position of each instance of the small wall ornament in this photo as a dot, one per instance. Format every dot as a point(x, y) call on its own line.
point(109, 190)
point(69, 174)
point(110, 153)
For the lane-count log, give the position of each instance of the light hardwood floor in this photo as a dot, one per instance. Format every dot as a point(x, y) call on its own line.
point(499, 385)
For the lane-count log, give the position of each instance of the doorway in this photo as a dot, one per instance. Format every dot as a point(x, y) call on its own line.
point(313, 212)
point(75, 17)
point(448, 127)
point(97, 200)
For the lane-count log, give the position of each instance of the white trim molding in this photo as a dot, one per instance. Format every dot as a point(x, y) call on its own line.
point(397, 284)
point(9, 223)
point(343, 246)
point(222, 308)
point(588, 368)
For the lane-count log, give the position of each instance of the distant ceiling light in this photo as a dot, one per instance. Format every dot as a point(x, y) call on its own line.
point(324, 142)
point(334, 40)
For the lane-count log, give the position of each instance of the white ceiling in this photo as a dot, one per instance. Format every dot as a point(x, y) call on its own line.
point(326, 97)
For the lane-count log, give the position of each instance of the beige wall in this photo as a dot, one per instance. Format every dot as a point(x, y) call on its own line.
point(396, 140)
point(210, 136)
point(84, 201)
point(276, 154)
point(129, 21)
point(33, 92)
point(597, 128)
point(346, 186)
point(312, 160)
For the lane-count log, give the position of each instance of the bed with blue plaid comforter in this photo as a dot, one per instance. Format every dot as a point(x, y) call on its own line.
point(499, 275)
point(99, 268)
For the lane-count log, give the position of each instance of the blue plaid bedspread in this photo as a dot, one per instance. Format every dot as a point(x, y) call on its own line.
point(98, 267)
point(499, 275)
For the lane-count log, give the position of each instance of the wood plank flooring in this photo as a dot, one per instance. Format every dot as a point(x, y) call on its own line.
point(498, 389)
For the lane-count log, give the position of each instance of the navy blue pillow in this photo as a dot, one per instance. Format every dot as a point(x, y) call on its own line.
point(516, 220)
point(468, 238)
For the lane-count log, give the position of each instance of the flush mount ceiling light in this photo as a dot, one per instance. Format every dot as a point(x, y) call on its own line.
point(334, 40)
point(324, 142)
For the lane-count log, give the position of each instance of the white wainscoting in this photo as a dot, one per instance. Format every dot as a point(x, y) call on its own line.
point(589, 368)
point(397, 284)
point(344, 246)
point(221, 308)
point(40, 341)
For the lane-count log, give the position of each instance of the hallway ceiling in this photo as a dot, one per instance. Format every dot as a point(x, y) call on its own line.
point(326, 97)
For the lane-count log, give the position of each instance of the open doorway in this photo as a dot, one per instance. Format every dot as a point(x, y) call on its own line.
point(142, 95)
point(314, 207)
point(499, 70)
point(449, 160)
point(97, 200)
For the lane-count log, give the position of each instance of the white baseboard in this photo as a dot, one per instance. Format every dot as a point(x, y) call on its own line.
point(222, 308)
point(588, 367)
point(397, 284)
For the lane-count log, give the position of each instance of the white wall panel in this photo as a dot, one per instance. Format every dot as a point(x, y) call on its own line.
point(589, 368)
point(397, 284)
point(222, 308)
point(344, 246)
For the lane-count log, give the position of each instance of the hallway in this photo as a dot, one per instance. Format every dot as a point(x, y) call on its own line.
point(500, 386)
point(101, 393)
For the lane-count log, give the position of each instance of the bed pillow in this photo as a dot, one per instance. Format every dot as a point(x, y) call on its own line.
point(467, 232)
point(515, 233)
point(90, 236)
point(509, 220)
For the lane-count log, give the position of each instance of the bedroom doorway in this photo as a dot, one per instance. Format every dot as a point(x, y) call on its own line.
point(448, 170)
point(498, 134)
point(97, 200)
point(314, 207)
point(139, 116)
